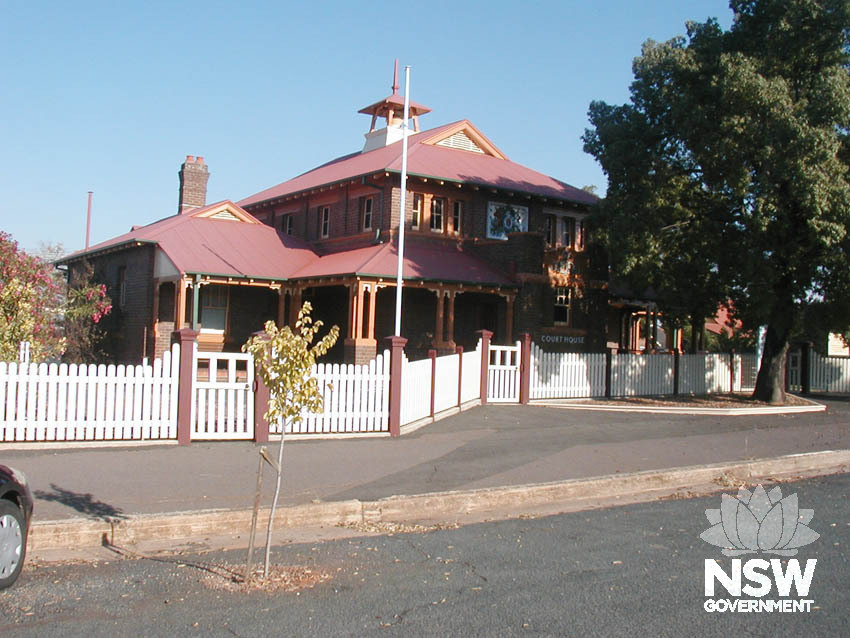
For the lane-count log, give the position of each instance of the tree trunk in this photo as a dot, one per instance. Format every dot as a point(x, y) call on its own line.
point(770, 385)
point(694, 346)
point(279, 469)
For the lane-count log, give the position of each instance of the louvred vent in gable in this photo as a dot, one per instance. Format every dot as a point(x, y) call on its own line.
point(226, 214)
point(461, 141)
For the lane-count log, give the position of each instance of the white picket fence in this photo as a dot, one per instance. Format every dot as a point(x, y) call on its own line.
point(415, 390)
point(470, 383)
point(456, 381)
point(566, 375)
point(446, 371)
point(704, 373)
point(503, 374)
point(223, 396)
point(829, 374)
point(61, 402)
point(746, 372)
point(582, 375)
point(76, 403)
point(641, 375)
point(355, 398)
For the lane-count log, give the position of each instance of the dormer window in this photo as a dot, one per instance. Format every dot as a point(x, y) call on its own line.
point(367, 213)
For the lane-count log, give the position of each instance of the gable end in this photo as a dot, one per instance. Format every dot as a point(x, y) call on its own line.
point(461, 141)
point(226, 214)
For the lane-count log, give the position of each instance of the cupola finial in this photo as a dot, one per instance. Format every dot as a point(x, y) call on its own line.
point(395, 77)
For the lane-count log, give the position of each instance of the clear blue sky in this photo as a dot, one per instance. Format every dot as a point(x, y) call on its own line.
point(112, 96)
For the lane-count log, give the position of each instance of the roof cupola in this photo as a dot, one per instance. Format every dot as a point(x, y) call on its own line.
point(391, 109)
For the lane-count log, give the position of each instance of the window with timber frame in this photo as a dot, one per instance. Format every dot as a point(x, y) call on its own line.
point(563, 297)
point(457, 216)
point(438, 206)
point(213, 308)
point(324, 221)
point(366, 213)
point(286, 224)
point(418, 198)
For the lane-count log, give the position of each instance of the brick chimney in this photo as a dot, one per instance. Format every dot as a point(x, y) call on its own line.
point(193, 184)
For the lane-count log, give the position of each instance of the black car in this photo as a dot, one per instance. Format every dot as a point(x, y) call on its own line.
point(15, 515)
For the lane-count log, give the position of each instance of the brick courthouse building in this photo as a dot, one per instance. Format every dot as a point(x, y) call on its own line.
point(489, 243)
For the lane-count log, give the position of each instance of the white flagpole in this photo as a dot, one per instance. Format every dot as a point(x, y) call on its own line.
point(402, 203)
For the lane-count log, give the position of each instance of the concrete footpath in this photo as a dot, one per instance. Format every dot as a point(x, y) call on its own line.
point(117, 488)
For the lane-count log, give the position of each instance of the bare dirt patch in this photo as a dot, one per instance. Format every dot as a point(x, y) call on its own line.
point(232, 577)
point(281, 578)
point(726, 400)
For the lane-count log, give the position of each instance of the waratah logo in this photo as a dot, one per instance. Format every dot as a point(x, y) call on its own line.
point(759, 521)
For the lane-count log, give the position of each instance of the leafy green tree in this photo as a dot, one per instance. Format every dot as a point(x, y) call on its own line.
point(284, 359)
point(728, 171)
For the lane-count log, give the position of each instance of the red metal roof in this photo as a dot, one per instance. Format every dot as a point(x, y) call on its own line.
point(429, 160)
point(208, 246)
point(425, 260)
point(205, 245)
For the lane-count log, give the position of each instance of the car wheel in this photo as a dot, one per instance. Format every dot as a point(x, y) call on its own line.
point(12, 542)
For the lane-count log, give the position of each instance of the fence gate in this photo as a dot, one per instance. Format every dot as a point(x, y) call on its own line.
point(794, 371)
point(503, 374)
point(223, 396)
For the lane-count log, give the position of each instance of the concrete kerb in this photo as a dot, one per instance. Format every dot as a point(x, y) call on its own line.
point(447, 506)
point(569, 404)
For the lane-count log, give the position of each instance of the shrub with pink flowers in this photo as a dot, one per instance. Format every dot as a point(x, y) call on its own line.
point(86, 304)
point(37, 307)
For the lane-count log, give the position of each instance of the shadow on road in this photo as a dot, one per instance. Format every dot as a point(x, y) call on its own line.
point(83, 503)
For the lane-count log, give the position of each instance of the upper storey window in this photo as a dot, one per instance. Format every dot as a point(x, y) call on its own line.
point(286, 224)
point(418, 199)
point(457, 216)
point(438, 206)
point(561, 310)
point(366, 212)
point(122, 286)
point(324, 221)
point(563, 230)
point(504, 218)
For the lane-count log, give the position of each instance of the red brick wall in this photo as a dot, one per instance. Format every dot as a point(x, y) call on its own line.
point(193, 176)
point(129, 327)
point(521, 255)
point(165, 315)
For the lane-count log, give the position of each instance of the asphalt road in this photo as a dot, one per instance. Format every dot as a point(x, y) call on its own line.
point(631, 570)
